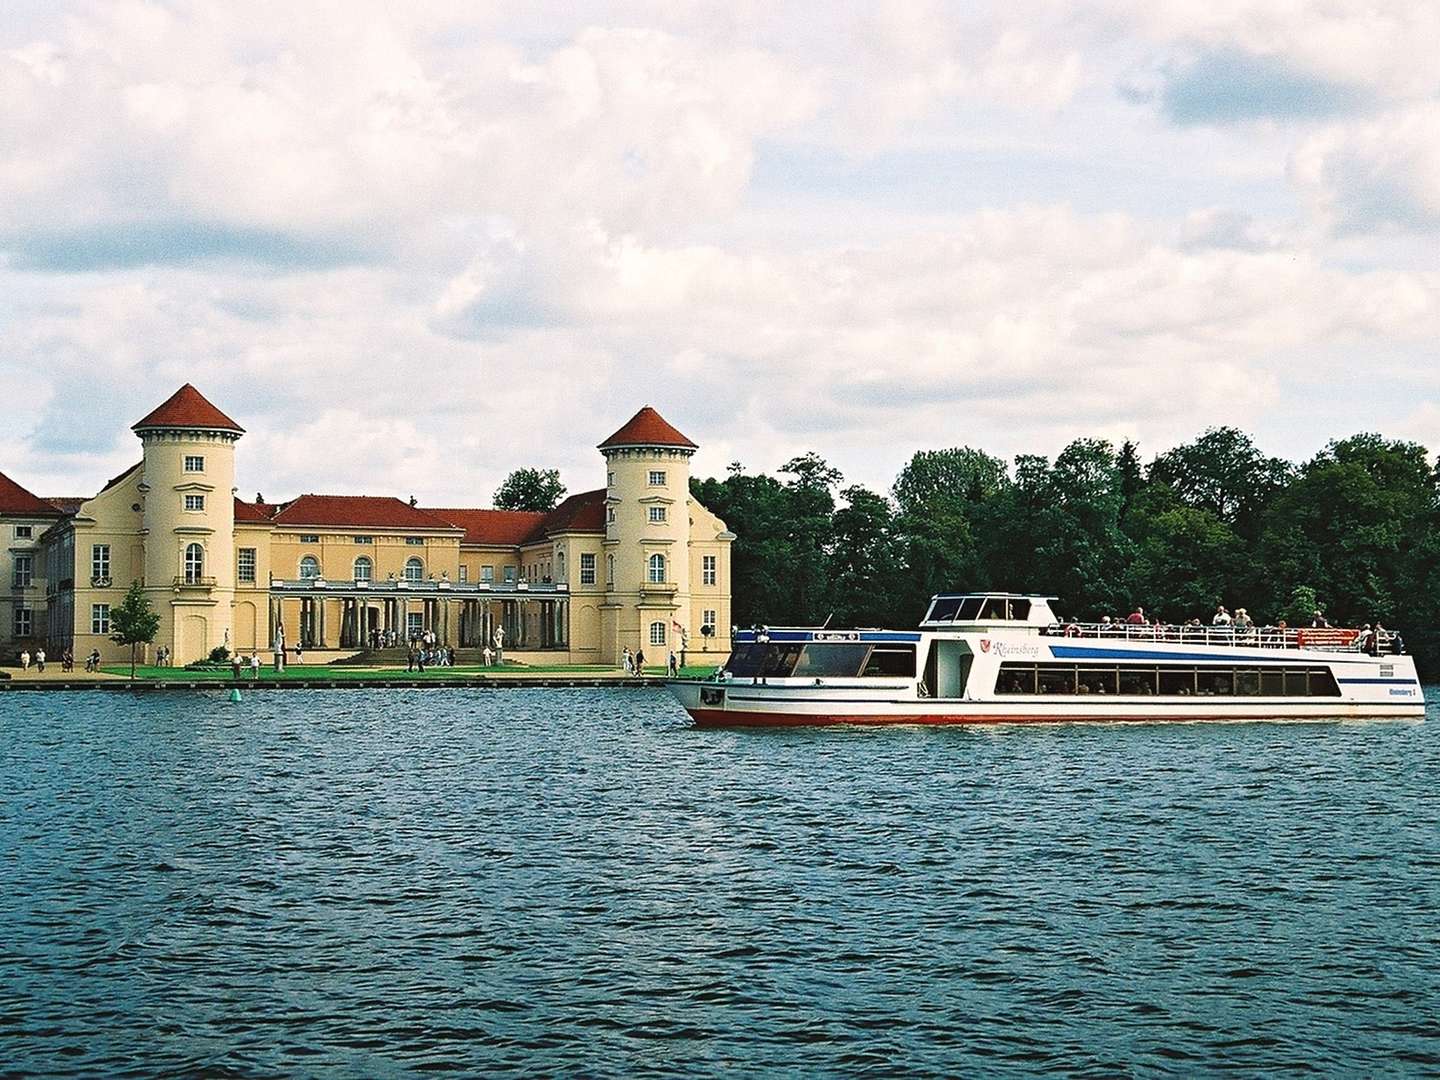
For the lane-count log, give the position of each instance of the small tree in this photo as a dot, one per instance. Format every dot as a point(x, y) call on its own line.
point(134, 622)
point(530, 489)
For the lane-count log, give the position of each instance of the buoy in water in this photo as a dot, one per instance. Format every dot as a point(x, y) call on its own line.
point(235, 695)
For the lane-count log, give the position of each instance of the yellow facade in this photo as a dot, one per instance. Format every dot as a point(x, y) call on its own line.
point(645, 575)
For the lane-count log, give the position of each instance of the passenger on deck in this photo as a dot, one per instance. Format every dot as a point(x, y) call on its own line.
point(1242, 619)
point(1136, 617)
point(1222, 617)
point(1319, 619)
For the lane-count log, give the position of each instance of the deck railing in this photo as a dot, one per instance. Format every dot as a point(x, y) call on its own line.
point(1323, 638)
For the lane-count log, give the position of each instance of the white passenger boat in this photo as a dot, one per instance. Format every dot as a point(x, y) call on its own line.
point(1003, 658)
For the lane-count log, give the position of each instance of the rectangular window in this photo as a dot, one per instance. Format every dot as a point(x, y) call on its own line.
point(100, 562)
point(464, 573)
point(708, 619)
point(657, 513)
point(487, 574)
point(415, 541)
point(100, 618)
point(609, 569)
point(657, 633)
point(610, 516)
point(657, 478)
point(510, 574)
point(24, 622)
point(309, 538)
point(194, 502)
point(610, 479)
point(364, 540)
point(708, 572)
point(24, 572)
point(587, 569)
point(194, 463)
point(245, 565)
point(24, 532)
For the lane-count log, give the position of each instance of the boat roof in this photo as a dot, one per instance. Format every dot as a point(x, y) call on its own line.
point(991, 596)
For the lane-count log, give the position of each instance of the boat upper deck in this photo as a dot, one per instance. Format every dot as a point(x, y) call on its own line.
point(1319, 639)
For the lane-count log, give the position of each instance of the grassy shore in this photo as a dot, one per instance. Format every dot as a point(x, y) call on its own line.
point(329, 673)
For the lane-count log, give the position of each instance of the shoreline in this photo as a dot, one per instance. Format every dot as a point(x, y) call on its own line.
point(321, 683)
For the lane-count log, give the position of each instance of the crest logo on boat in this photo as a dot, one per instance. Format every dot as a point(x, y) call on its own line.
point(984, 644)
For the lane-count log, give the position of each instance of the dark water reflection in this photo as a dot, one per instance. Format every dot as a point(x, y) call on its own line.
point(373, 884)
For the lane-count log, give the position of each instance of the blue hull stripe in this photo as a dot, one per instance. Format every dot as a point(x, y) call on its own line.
point(1079, 652)
point(1380, 682)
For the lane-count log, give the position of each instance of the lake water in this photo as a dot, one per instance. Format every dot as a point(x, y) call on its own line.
point(370, 884)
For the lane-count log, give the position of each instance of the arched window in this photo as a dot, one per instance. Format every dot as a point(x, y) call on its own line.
point(657, 633)
point(309, 568)
point(609, 569)
point(364, 569)
point(657, 569)
point(194, 564)
point(414, 570)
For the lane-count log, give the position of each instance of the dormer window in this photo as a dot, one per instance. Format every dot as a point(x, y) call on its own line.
point(194, 463)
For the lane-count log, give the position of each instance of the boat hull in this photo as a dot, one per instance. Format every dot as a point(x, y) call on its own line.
point(748, 706)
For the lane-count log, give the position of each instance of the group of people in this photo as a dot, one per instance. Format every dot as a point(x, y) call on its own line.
point(245, 664)
point(383, 639)
point(1371, 639)
point(634, 663)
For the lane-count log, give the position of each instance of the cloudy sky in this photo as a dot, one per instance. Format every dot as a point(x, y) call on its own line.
point(410, 250)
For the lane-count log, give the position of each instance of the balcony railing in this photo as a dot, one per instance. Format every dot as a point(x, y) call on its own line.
point(194, 581)
point(1326, 638)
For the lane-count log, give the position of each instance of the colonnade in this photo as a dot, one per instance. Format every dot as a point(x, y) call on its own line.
point(346, 621)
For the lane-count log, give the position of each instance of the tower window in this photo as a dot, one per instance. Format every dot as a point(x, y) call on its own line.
point(657, 477)
point(194, 463)
point(609, 569)
point(610, 516)
point(657, 569)
point(99, 562)
point(194, 502)
point(194, 564)
point(657, 514)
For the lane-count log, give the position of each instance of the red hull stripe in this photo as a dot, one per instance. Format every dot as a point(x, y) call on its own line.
point(738, 718)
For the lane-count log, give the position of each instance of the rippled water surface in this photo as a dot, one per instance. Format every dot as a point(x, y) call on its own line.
point(576, 882)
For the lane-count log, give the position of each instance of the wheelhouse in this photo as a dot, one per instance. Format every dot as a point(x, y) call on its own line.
point(820, 654)
point(1015, 612)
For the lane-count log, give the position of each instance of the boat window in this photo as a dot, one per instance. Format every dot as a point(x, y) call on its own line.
point(1176, 683)
point(1215, 683)
point(831, 661)
point(1148, 679)
point(993, 610)
point(781, 660)
point(1098, 680)
point(891, 660)
point(745, 660)
point(969, 609)
point(1137, 681)
point(1020, 610)
point(1057, 680)
point(943, 609)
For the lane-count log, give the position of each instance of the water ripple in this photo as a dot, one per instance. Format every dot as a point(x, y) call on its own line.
point(578, 882)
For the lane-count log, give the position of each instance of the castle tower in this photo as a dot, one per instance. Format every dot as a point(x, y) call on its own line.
point(189, 520)
point(647, 538)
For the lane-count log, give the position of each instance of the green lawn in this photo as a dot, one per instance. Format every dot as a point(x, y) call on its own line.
point(302, 673)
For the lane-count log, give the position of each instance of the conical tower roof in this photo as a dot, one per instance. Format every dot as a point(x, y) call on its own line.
point(647, 428)
point(188, 408)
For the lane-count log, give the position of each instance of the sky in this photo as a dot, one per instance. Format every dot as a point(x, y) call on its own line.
point(411, 250)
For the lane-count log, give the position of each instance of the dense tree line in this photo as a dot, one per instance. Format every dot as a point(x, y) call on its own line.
point(1355, 531)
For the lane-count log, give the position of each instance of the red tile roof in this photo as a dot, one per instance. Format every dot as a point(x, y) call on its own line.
point(507, 528)
point(257, 512)
point(584, 512)
point(647, 428)
point(115, 480)
point(14, 499)
point(69, 505)
point(356, 511)
point(187, 408)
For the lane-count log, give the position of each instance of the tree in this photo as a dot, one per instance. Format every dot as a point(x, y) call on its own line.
point(863, 560)
point(133, 622)
point(1225, 473)
point(530, 489)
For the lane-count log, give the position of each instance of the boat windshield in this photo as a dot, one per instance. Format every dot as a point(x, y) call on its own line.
point(979, 609)
point(822, 660)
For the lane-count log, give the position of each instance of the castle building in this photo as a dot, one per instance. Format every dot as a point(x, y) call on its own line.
point(636, 564)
